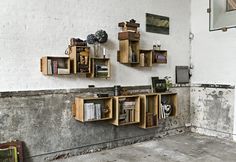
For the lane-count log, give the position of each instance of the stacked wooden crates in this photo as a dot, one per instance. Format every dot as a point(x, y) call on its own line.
point(129, 39)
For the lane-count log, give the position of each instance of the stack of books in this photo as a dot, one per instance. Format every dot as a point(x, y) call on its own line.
point(92, 111)
point(57, 67)
point(101, 71)
point(128, 112)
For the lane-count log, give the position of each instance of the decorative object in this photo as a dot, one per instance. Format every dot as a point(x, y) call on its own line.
point(158, 85)
point(77, 42)
point(101, 36)
point(157, 24)
point(95, 39)
point(167, 109)
point(91, 39)
point(131, 26)
point(168, 82)
point(182, 74)
point(222, 14)
point(128, 43)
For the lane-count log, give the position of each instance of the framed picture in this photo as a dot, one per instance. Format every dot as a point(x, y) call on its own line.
point(157, 24)
point(182, 74)
point(158, 85)
point(230, 5)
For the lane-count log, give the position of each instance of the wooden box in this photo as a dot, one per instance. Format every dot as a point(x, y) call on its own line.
point(159, 56)
point(167, 98)
point(128, 49)
point(132, 36)
point(126, 110)
point(55, 65)
point(80, 60)
point(149, 110)
point(92, 109)
point(100, 68)
point(129, 26)
point(145, 58)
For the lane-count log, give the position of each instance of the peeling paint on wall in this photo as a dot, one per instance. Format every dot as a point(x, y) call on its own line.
point(212, 110)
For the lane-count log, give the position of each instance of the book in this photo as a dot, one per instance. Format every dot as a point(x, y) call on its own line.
point(62, 71)
point(98, 111)
point(127, 118)
point(128, 105)
point(92, 109)
point(49, 66)
point(86, 111)
point(54, 67)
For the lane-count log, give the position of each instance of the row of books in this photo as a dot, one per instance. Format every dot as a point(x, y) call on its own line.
point(128, 105)
point(92, 111)
point(101, 71)
point(53, 68)
point(127, 113)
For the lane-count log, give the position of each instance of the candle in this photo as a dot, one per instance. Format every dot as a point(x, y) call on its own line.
point(104, 52)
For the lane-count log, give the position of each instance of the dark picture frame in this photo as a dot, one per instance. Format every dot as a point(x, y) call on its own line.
point(157, 24)
point(182, 74)
point(158, 85)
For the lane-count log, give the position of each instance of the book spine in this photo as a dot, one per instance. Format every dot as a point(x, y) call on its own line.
point(55, 67)
point(86, 110)
point(49, 66)
point(98, 111)
point(93, 111)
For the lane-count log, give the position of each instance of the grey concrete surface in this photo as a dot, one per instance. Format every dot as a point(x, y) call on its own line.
point(43, 120)
point(179, 148)
point(212, 110)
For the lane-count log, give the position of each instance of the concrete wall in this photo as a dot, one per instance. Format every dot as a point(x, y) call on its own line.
point(32, 29)
point(213, 58)
point(43, 120)
point(212, 110)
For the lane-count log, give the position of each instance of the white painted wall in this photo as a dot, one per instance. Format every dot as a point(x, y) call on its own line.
point(30, 29)
point(213, 54)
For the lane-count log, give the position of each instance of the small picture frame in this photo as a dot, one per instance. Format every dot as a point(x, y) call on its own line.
point(158, 85)
point(182, 75)
point(157, 24)
point(230, 5)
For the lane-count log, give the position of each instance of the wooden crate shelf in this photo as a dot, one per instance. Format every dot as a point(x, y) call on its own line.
point(55, 65)
point(159, 56)
point(145, 58)
point(92, 109)
point(169, 99)
point(126, 110)
point(149, 110)
point(100, 68)
point(80, 60)
point(128, 52)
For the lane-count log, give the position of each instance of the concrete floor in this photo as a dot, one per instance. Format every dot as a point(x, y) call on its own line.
point(180, 148)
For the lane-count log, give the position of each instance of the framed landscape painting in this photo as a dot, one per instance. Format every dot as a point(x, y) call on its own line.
point(157, 24)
